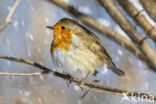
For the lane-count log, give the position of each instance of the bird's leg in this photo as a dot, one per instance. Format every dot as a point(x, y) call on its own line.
point(95, 80)
point(84, 79)
point(95, 73)
point(86, 92)
point(68, 83)
point(68, 80)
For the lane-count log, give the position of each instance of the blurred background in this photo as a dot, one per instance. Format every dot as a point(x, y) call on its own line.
point(27, 37)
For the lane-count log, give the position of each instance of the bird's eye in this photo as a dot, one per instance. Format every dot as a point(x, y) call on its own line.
point(62, 27)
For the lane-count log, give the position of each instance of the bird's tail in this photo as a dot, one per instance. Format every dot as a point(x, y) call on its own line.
point(116, 70)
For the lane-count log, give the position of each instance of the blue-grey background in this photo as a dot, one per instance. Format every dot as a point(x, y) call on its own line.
point(27, 37)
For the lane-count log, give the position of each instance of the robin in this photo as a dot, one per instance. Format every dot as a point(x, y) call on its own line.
point(77, 51)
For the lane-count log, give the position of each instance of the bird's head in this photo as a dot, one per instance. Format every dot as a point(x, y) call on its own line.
point(63, 31)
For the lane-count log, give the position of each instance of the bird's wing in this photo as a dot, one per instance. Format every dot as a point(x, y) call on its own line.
point(93, 43)
point(97, 47)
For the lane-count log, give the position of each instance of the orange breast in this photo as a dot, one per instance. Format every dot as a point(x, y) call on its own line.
point(62, 39)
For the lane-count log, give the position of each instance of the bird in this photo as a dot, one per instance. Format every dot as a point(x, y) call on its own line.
point(77, 51)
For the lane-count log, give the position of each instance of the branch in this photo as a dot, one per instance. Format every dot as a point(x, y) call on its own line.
point(150, 7)
point(44, 69)
point(127, 93)
point(21, 74)
point(118, 16)
point(8, 19)
point(109, 33)
point(139, 18)
point(78, 81)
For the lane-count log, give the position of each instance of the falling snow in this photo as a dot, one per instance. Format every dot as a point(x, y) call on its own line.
point(48, 32)
point(29, 35)
point(27, 93)
point(76, 87)
point(20, 91)
point(15, 23)
point(140, 63)
point(120, 52)
point(41, 77)
point(120, 31)
point(67, 1)
point(105, 70)
point(53, 87)
point(95, 97)
point(63, 92)
point(47, 20)
point(146, 85)
point(84, 9)
point(104, 22)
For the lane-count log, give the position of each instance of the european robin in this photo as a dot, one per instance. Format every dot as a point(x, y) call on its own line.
point(77, 51)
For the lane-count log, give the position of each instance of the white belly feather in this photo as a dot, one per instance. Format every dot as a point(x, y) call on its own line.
point(75, 61)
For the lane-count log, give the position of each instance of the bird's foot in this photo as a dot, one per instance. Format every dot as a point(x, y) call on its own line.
point(96, 80)
point(69, 81)
point(86, 92)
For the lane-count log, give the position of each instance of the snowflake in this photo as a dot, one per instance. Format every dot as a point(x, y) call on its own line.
point(46, 20)
point(140, 63)
point(120, 52)
point(47, 31)
point(41, 77)
point(105, 70)
point(15, 24)
point(104, 22)
point(67, 1)
point(29, 35)
point(27, 93)
point(84, 9)
point(76, 87)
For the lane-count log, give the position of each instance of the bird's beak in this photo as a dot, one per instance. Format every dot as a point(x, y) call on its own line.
point(50, 27)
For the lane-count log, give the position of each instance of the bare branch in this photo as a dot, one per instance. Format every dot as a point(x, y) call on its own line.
point(127, 93)
point(21, 74)
point(139, 18)
point(150, 7)
point(44, 69)
point(8, 19)
point(118, 16)
point(78, 81)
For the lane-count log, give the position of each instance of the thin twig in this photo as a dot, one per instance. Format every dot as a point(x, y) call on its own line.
point(26, 62)
point(78, 81)
point(8, 19)
point(21, 74)
point(94, 90)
